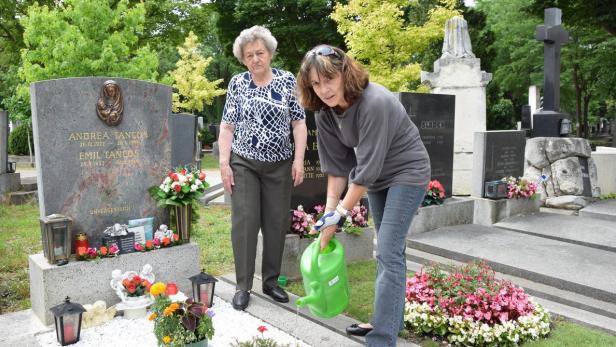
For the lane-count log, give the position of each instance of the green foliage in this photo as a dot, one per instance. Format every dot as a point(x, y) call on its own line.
point(600, 13)
point(297, 25)
point(206, 137)
point(178, 324)
point(384, 41)
point(85, 38)
point(193, 88)
point(18, 140)
point(259, 341)
point(502, 115)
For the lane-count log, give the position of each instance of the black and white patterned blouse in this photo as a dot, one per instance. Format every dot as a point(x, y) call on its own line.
point(262, 116)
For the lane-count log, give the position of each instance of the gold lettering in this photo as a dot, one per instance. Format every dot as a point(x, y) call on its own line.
point(89, 156)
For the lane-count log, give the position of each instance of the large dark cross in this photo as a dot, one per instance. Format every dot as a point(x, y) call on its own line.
point(553, 35)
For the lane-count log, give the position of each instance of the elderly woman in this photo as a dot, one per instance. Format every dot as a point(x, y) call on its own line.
point(256, 162)
point(367, 138)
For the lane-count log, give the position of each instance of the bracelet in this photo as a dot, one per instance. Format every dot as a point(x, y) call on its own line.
point(343, 211)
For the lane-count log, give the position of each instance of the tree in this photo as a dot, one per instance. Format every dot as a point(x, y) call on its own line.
point(380, 36)
point(85, 38)
point(601, 13)
point(297, 25)
point(193, 88)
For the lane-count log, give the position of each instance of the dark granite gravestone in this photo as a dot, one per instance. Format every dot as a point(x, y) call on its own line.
point(98, 174)
point(547, 121)
point(526, 117)
point(314, 189)
point(183, 131)
point(585, 177)
point(434, 115)
point(497, 154)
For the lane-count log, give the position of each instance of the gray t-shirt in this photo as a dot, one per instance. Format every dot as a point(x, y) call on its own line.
point(374, 142)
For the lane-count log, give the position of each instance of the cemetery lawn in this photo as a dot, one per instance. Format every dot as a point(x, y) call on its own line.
point(209, 161)
point(361, 287)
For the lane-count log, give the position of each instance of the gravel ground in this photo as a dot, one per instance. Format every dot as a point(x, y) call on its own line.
point(230, 326)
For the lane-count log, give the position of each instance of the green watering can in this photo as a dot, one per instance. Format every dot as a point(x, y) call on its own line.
point(325, 279)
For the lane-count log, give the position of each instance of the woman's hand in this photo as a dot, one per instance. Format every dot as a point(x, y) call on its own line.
point(226, 173)
point(297, 172)
point(327, 234)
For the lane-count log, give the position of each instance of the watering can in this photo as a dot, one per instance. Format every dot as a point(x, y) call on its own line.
point(325, 279)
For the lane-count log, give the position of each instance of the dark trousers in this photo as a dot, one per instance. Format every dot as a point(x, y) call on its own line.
point(260, 200)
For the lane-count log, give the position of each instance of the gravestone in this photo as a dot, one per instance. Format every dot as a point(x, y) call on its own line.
point(434, 114)
point(547, 121)
point(98, 150)
point(183, 130)
point(313, 190)
point(9, 181)
point(498, 154)
point(526, 117)
point(587, 188)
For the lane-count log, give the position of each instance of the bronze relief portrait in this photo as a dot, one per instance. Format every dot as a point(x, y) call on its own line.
point(109, 106)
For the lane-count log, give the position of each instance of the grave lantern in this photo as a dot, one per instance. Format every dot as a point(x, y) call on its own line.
point(203, 288)
point(11, 167)
point(56, 236)
point(67, 317)
point(565, 127)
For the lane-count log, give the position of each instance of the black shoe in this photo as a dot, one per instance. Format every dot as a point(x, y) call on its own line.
point(276, 293)
point(355, 329)
point(240, 300)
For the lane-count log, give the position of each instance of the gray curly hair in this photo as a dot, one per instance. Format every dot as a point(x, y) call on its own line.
point(252, 34)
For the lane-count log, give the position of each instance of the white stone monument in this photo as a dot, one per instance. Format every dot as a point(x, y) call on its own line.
point(458, 72)
point(534, 100)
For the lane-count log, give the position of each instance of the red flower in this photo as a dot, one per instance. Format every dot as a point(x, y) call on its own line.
point(166, 241)
point(136, 278)
point(176, 237)
point(262, 329)
point(201, 176)
point(174, 176)
point(177, 188)
point(183, 172)
point(131, 288)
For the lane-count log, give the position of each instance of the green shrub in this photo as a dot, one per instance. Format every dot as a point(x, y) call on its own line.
point(206, 137)
point(18, 140)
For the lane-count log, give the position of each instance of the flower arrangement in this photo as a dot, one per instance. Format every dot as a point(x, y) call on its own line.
point(136, 286)
point(520, 187)
point(91, 253)
point(156, 243)
point(468, 306)
point(302, 221)
point(180, 188)
point(435, 194)
point(179, 320)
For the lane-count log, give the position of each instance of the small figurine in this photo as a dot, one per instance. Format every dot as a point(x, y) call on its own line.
point(117, 230)
point(162, 232)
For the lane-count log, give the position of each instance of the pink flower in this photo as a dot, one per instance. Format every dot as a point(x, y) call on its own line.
point(139, 247)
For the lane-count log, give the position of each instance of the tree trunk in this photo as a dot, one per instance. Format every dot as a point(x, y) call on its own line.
point(578, 100)
point(587, 98)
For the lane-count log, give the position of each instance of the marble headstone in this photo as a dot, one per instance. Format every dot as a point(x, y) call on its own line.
point(95, 173)
point(314, 189)
point(434, 115)
point(498, 154)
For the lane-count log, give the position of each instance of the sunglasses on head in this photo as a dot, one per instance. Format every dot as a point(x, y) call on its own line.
point(325, 51)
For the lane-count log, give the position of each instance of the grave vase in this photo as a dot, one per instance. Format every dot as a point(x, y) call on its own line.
point(183, 217)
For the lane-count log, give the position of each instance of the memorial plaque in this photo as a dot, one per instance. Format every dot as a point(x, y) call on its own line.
point(183, 130)
point(314, 189)
point(585, 177)
point(92, 171)
point(434, 115)
point(497, 154)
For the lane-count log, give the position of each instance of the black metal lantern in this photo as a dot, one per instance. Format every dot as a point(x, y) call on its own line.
point(67, 317)
point(565, 127)
point(203, 288)
point(56, 236)
point(11, 167)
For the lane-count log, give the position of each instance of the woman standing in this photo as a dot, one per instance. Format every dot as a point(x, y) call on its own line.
point(255, 160)
point(366, 137)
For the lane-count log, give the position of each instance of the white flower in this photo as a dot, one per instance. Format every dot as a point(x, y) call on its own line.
point(193, 188)
point(179, 297)
point(167, 180)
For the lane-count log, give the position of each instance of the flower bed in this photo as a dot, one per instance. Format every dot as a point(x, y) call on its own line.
point(469, 306)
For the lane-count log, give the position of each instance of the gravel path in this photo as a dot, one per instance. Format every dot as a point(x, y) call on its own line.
point(230, 326)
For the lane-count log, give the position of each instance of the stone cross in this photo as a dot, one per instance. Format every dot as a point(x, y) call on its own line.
point(4, 141)
point(553, 35)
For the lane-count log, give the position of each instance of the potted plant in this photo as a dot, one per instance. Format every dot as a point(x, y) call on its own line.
point(178, 191)
point(178, 320)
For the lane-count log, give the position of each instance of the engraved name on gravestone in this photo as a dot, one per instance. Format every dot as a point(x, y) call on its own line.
point(497, 154)
point(434, 115)
point(313, 190)
point(98, 153)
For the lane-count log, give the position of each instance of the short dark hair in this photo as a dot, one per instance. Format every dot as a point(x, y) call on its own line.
point(354, 76)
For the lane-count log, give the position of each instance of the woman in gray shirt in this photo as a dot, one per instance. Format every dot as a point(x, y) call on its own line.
point(366, 142)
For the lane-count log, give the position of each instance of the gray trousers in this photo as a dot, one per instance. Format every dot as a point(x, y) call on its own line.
point(260, 200)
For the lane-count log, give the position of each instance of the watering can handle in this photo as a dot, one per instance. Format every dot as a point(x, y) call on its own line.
point(316, 249)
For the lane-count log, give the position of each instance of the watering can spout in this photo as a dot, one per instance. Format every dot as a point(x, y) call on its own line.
point(313, 298)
